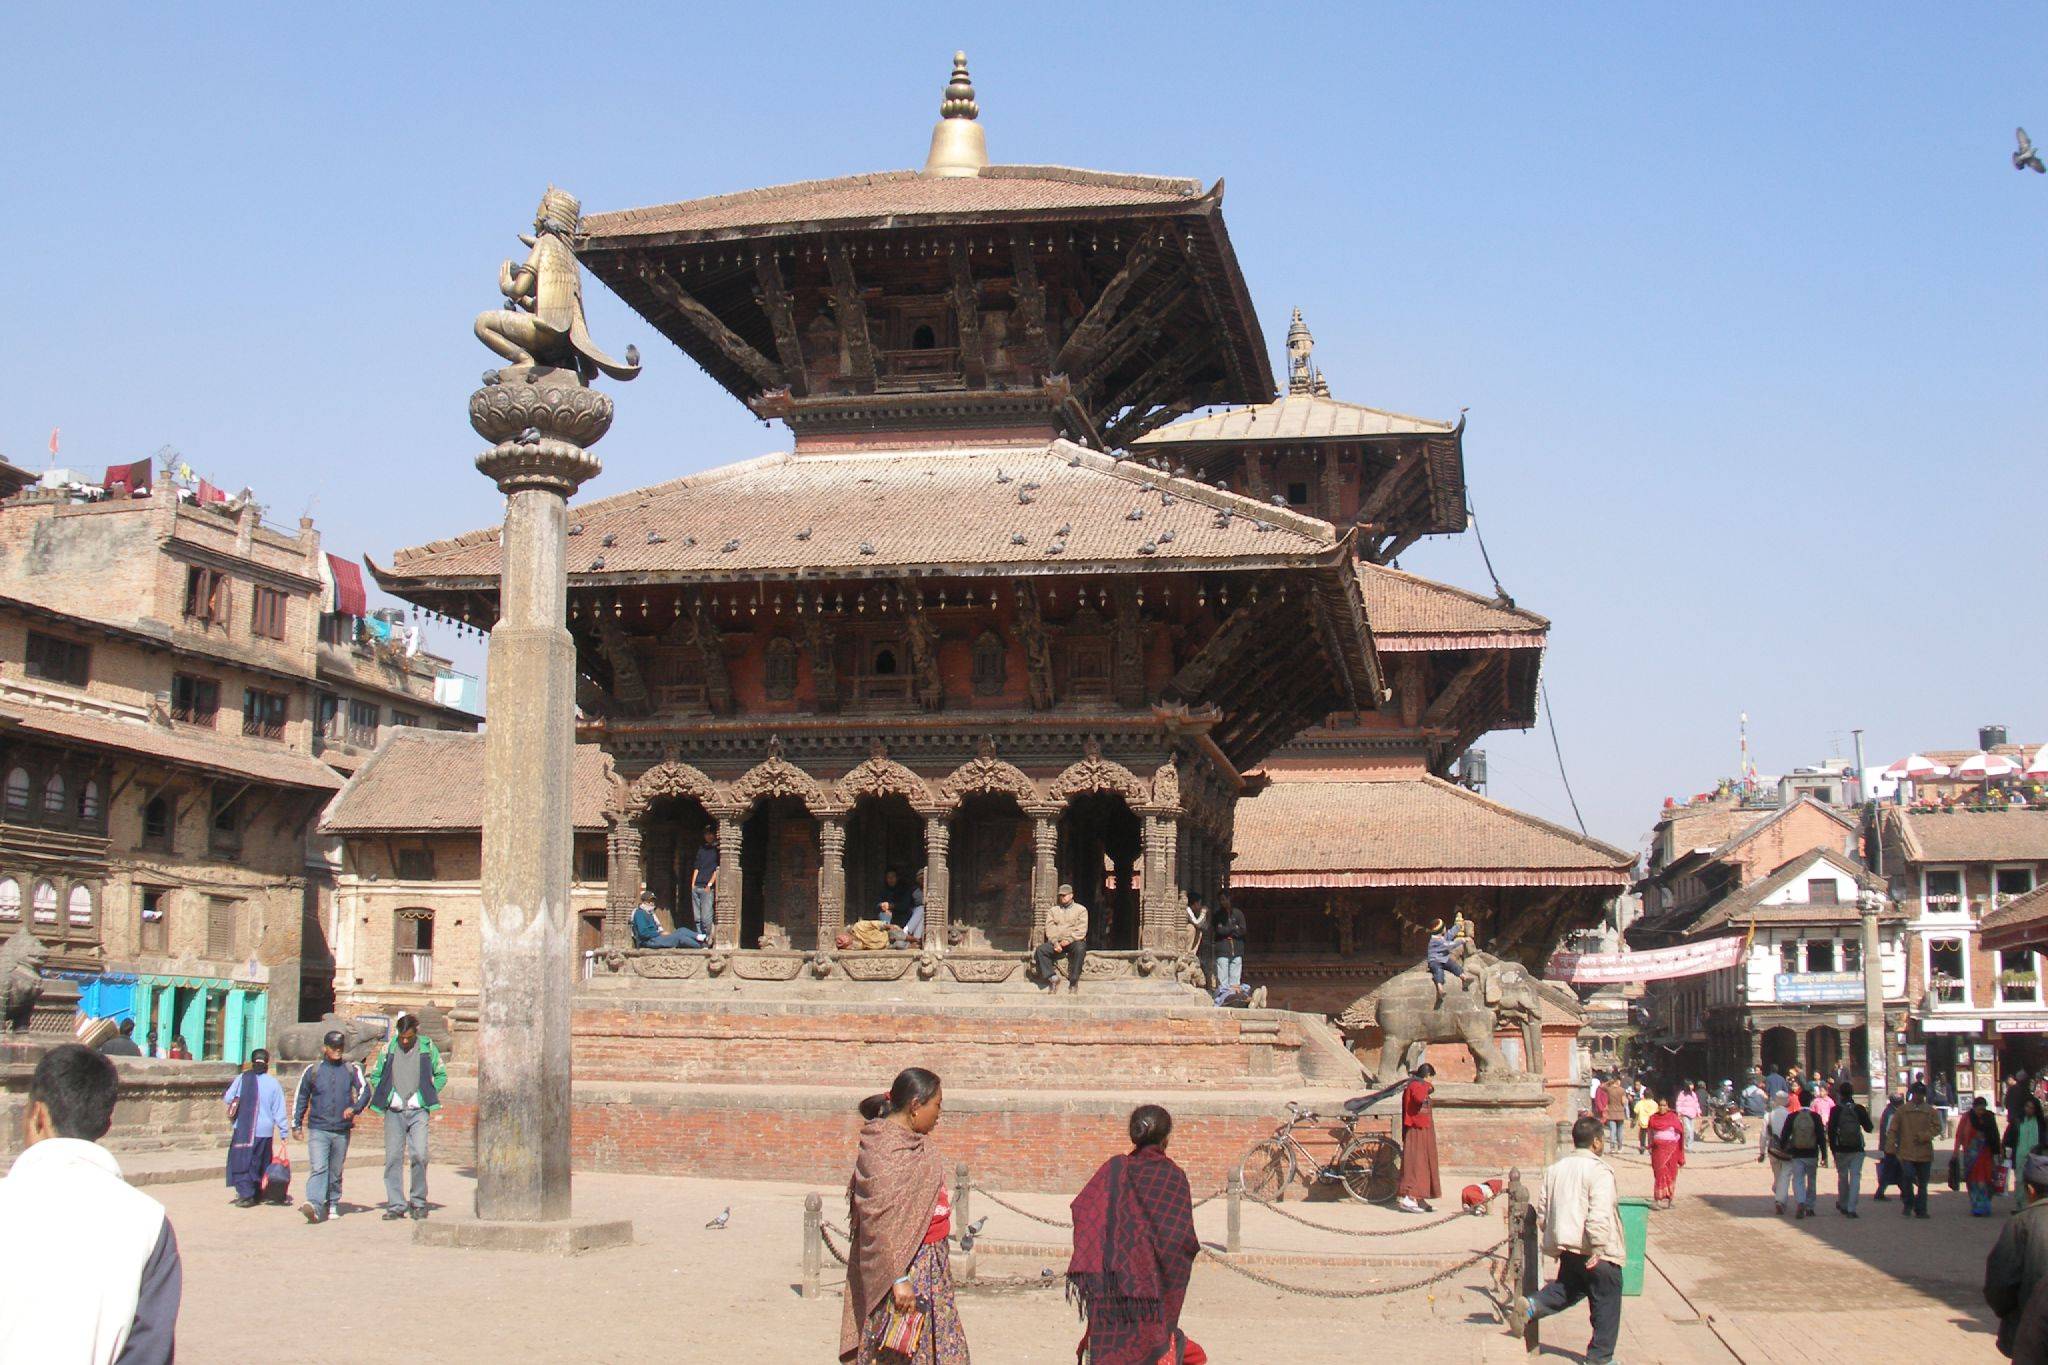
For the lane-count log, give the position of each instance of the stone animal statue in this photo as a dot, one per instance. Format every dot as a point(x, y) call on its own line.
point(301, 1042)
point(21, 977)
point(1405, 1010)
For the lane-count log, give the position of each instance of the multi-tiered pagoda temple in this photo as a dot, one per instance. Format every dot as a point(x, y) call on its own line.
point(952, 629)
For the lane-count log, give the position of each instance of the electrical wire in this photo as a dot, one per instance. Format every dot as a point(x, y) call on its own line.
point(1550, 714)
point(1472, 515)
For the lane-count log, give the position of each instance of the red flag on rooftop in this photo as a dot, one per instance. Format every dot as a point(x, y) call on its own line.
point(126, 480)
point(349, 597)
point(53, 440)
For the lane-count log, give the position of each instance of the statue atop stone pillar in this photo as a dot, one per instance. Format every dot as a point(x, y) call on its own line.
point(542, 415)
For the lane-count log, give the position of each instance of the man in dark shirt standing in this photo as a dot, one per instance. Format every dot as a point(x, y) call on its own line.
point(704, 884)
point(122, 1044)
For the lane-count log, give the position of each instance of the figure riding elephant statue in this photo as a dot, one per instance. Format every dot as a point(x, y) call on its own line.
point(1406, 1010)
point(301, 1042)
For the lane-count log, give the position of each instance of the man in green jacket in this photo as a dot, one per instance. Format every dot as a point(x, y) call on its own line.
point(2019, 1259)
point(405, 1088)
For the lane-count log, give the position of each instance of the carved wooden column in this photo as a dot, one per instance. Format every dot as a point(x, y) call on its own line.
point(622, 880)
point(832, 879)
point(725, 900)
point(1045, 877)
point(1156, 926)
point(938, 880)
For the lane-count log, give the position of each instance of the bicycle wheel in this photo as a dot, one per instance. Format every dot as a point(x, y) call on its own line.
point(1267, 1170)
point(1371, 1168)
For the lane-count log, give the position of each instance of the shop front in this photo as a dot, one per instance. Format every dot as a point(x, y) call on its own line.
point(218, 1021)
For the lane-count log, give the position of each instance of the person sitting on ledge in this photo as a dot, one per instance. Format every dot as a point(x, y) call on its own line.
point(647, 929)
point(893, 904)
point(1066, 935)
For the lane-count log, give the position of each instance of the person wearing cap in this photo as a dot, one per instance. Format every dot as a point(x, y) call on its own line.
point(255, 1104)
point(331, 1093)
point(2019, 1258)
point(405, 1087)
point(1066, 935)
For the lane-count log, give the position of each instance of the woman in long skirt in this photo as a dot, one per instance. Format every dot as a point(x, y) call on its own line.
point(1976, 1153)
point(900, 1215)
point(2023, 1137)
point(1134, 1248)
point(1419, 1183)
point(1667, 1151)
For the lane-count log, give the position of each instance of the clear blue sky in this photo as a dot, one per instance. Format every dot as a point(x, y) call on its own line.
point(1746, 308)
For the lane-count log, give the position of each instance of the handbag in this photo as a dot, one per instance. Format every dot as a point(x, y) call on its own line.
point(902, 1332)
point(1955, 1172)
point(277, 1176)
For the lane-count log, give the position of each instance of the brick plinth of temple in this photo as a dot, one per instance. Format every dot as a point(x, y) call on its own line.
point(1038, 1090)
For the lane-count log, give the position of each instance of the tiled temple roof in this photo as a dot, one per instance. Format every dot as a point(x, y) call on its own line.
point(1411, 613)
point(272, 765)
point(2016, 834)
point(863, 513)
point(886, 198)
point(1294, 417)
point(427, 781)
point(1336, 828)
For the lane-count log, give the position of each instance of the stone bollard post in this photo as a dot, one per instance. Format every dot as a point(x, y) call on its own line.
point(814, 1244)
point(963, 1206)
point(1234, 1194)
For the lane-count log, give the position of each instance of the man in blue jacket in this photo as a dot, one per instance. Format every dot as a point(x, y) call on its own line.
point(331, 1093)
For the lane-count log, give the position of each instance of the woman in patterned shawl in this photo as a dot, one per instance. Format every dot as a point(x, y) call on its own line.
point(900, 1215)
point(1134, 1248)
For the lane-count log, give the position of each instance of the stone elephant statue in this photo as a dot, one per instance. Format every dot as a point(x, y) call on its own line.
point(21, 978)
point(1405, 1010)
point(301, 1042)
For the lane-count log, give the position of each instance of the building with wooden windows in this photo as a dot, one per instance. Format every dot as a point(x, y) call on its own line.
point(169, 674)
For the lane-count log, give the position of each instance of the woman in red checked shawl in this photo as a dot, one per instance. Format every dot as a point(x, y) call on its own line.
point(1667, 1151)
point(1134, 1248)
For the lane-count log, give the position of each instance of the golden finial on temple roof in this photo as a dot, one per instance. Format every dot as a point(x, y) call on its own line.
point(959, 101)
point(1302, 375)
point(959, 147)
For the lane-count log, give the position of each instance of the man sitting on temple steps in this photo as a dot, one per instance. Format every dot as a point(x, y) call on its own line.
point(1066, 935)
point(647, 931)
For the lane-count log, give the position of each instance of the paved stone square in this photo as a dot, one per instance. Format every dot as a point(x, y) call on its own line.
point(1728, 1281)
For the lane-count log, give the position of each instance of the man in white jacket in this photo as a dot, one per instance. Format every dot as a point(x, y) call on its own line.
point(93, 1272)
point(1582, 1228)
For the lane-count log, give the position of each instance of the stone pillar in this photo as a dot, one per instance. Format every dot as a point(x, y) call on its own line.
point(832, 879)
point(1157, 924)
point(938, 880)
point(529, 933)
point(622, 881)
point(726, 899)
point(1045, 876)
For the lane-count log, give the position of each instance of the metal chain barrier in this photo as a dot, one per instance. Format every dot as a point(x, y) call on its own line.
point(1273, 1206)
point(1001, 1202)
point(1378, 1291)
point(825, 1230)
point(1631, 1159)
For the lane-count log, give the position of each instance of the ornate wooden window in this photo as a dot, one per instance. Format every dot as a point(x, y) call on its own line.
point(58, 661)
point(10, 901)
point(207, 596)
point(266, 613)
point(79, 910)
point(53, 795)
point(779, 667)
point(880, 669)
point(44, 901)
point(362, 724)
point(220, 927)
point(412, 947)
point(195, 700)
point(675, 675)
point(17, 791)
point(263, 714)
point(991, 664)
point(89, 801)
point(153, 929)
point(157, 823)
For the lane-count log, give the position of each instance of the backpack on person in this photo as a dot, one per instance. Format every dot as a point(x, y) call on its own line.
point(1802, 1134)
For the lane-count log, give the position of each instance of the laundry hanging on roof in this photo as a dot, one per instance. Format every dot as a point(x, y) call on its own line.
point(348, 597)
point(208, 494)
point(128, 480)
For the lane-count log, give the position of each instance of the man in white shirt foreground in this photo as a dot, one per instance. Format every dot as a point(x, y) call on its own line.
point(1582, 1228)
point(90, 1270)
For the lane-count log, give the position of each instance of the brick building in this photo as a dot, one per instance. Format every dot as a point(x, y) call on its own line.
point(407, 893)
point(1978, 1009)
point(176, 694)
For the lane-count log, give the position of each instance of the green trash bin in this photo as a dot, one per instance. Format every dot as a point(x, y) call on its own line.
point(1635, 1235)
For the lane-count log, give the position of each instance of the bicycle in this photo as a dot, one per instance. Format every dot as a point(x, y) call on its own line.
point(1367, 1165)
